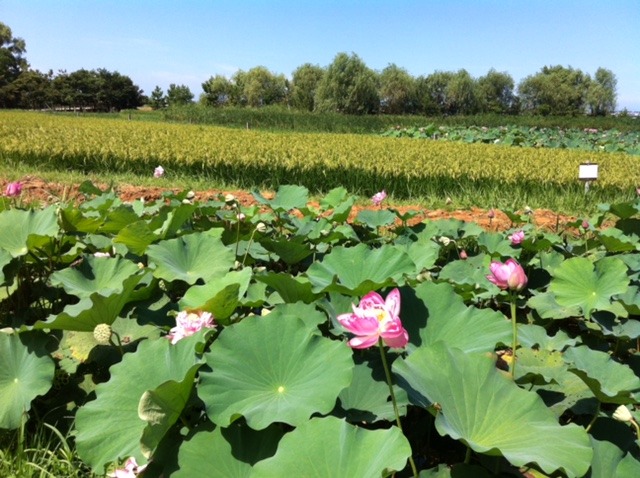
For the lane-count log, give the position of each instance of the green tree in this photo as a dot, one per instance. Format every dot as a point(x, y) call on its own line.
point(496, 93)
point(31, 90)
point(262, 87)
point(179, 95)
point(157, 99)
point(12, 62)
point(218, 91)
point(398, 93)
point(460, 94)
point(305, 80)
point(555, 90)
point(348, 86)
point(432, 92)
point(601, 94)
point(116, 91)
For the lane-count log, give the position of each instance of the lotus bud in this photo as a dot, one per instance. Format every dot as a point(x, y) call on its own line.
point(622, 414)
point(191, 195)
point(585, 224)
point(102, 334)
point(491, 214)
point(261, 227)
point(241, 217)
point(528, 210)
point(13, 189)
point(444, 240)
point(229, 199)
point(463, 254)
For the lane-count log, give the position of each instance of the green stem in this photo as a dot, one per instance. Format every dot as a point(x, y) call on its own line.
point(514, 325)
point(467, 456)
point(635, 424)
point(595, 417)
point(387, 373)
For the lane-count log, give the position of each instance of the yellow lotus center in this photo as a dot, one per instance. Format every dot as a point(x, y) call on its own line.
point(382, 315)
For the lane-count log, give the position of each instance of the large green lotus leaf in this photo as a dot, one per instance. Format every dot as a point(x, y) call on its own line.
point(376, 218)
point(323, 447)
point(273, 370)
point(176, 217)
point(487, 410)
point(93, 310)
point(451, 228)
point(576, 283)
point(472, 271)
point(137, 237)
point(424, 253)
point(610, 381)
point(26, 372)
point(227, 452)
point(611, 462)
point(534, 336)
point(306, 313)
point(359, 270)
point(74, 220)
point(117, 218)
point(450, 320)
point(615, 240)
point(290, 288)
point(22, 230)
point(101, 275)
point(109, 428)
point(631, 300)
point(189, 258)
point(367, 398)
point(291, 251)
point(287, 197)
point(340, 202)
point(547, 307)
point(496, 244)
point(219, 296)
point(544, 363)
point(161, 408)
point(619, 326)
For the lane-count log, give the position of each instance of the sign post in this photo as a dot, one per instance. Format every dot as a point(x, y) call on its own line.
point(588, 172)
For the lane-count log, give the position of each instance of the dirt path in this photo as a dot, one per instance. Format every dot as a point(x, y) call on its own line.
point(43, 192)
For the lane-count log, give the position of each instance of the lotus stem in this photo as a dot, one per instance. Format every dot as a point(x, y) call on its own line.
point(387, 374)
point(514, 344)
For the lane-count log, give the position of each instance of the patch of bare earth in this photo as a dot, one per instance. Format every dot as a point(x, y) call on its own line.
point(37, 190)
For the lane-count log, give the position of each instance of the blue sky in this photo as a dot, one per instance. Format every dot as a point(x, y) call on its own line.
point(158, 42)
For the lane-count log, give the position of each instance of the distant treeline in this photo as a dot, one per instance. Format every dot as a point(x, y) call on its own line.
point(346, 86)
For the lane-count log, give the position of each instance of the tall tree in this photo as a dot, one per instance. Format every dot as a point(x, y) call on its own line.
point(157, 99)
point(31, 90)
point(601, 94)
point(179, 95)
point(218, 91)
point(12, 62)
point(555, 90)
point(261, 87)
point(432, 92)
point(496, 93)
point(305, 80)
point(398, 94)
point(460, 94)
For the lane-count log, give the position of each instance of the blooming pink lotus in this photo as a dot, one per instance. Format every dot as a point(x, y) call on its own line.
point(379, 197)
point(188, 323)
point(130, 470)
point(376, 318)
point(158, 172)
point(517, 237)
point(13, 189)
point(509, 275)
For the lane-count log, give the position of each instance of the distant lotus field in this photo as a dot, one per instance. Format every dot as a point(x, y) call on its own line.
point(363, 164)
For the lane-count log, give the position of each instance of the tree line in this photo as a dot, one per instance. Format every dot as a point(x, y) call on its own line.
point(346, 86)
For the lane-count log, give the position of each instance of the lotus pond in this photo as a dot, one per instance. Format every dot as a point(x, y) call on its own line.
point(190, 337)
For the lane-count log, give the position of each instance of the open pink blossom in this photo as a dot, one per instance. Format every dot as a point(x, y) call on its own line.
point(376, 318)
point(379, 197)
point(188, 323)
point(13, 189)
point(130, 470)
point(509, 275)
point(517, 237)
point(158, 172)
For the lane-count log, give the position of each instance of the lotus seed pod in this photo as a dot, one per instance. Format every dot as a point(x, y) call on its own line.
point(102, 334)
point(191, 195)
point(229, 198)
point(623, 414)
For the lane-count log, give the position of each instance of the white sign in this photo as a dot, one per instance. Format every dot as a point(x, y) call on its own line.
point(588, 172)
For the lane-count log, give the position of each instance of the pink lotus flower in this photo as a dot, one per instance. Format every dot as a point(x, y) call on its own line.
point(491, 214)
point(130, 470)
point(509, 275)
point(13, 189)
point(188, 323)
point(158, 172)
point(517, 237)
point(379, 197)
point(376, 318)
point(463, 255)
